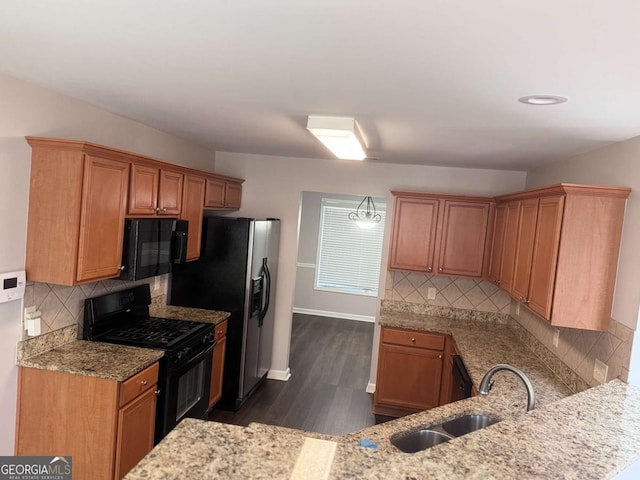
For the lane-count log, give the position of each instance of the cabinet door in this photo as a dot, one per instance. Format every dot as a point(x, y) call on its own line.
point(136, 423)
point(545, 255)
point(215, 193)
point(143, 190)
point(510, 246)
point(463, 238)
point(414, 234)
point(524, 250)
point(233, 195)
point(498, 244)
point(217, 370)
point(192, 211)
point(104, 203)
point(408, 377)
point(170, 193)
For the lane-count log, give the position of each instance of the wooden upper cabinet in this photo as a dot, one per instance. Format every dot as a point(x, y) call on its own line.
point(154, 191)
point(143, 190)
point(233, 195)
point(464, 235)
point(524, 250)
point(567, 247)
point(497, 245)
point(77, 205)
point(192, 211)
point(545, 255)
point(104, 197)
point(442, 234)
point(223, 194)
point(79, 196)
point(414, 234)
point(508, 261)
point(215, 193)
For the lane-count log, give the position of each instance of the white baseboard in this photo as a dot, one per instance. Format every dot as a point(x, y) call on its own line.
point(282, 375)
point(371, 387)
point(324, 313)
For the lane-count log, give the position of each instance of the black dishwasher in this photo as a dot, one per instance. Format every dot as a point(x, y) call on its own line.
point(462, 384)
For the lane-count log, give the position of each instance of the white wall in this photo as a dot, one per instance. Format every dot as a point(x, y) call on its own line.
point(615, 165)
point(307, 298)
point(274, 185)
point(30, 110)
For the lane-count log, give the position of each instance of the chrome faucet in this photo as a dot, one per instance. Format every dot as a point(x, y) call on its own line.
point(487, 383)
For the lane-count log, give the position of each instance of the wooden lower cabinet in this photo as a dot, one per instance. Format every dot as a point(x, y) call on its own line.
point(409, 371)
point(217, 365)
point(106, 426)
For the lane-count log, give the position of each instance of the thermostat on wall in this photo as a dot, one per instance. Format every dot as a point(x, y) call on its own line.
point(12, 286)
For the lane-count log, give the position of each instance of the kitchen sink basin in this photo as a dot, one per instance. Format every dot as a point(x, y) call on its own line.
point(467, 424)
point(419, 440)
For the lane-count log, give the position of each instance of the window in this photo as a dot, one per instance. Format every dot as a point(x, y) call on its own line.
point(349, 257)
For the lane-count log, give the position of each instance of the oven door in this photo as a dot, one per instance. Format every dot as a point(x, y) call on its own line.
point(184, 392)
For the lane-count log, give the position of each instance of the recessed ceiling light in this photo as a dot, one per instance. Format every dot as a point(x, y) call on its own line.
point(543, 99)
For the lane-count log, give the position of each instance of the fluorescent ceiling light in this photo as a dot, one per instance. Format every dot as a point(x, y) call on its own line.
point(543, 99)
point(339, 134)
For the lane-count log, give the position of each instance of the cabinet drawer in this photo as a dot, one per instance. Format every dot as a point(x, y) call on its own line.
point(137, 384)
point(412, 338)
point(221, 330)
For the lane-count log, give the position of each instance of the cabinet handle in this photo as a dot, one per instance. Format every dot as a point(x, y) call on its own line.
point(157, 392)
point(143, 382)
point(440, 269)
point(122, 268)
point(164, 210)
point(525, 301)
point(497, 282)
point(429, 269)
point(439, 356)
point(157, 210)
point(413, 339)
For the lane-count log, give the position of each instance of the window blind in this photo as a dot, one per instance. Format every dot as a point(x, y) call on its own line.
point(349, 257)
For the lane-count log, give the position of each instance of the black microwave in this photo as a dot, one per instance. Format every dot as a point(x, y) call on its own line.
point(151, 245)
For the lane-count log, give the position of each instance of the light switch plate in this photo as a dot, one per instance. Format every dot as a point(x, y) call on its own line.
point(431, 293)
point(600, 370)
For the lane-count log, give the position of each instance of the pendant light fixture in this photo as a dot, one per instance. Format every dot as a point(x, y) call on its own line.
point(366, 218)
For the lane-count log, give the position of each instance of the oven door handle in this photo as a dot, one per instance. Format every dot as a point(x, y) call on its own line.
point(198, 358)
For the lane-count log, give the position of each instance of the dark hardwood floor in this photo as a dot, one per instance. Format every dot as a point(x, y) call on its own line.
point(329, 363)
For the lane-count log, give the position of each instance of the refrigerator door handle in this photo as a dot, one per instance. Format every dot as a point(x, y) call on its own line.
point(267, 293)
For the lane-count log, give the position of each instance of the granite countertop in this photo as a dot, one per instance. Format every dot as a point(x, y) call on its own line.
point(95, 359)
point(186, 313)
point(592, 434)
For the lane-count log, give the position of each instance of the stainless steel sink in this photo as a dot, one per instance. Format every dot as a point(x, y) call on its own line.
point(419, 440)
point(467, 424)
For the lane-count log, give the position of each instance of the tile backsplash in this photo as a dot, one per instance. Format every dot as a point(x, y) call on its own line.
point(578, 349)
point(455, 292)
point(62, 306)
point(572, 360)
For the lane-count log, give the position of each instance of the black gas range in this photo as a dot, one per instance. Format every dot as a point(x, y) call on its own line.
point(123, 318)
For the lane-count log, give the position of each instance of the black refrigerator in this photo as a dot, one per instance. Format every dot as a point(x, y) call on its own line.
point(236, 273)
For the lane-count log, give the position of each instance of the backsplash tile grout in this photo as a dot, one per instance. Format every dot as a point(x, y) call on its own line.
point(477, 299)
point(62, 306)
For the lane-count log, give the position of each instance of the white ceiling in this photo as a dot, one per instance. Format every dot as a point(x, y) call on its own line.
point(430, 81)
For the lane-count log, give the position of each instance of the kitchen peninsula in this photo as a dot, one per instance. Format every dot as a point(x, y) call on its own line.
point(590, 434)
